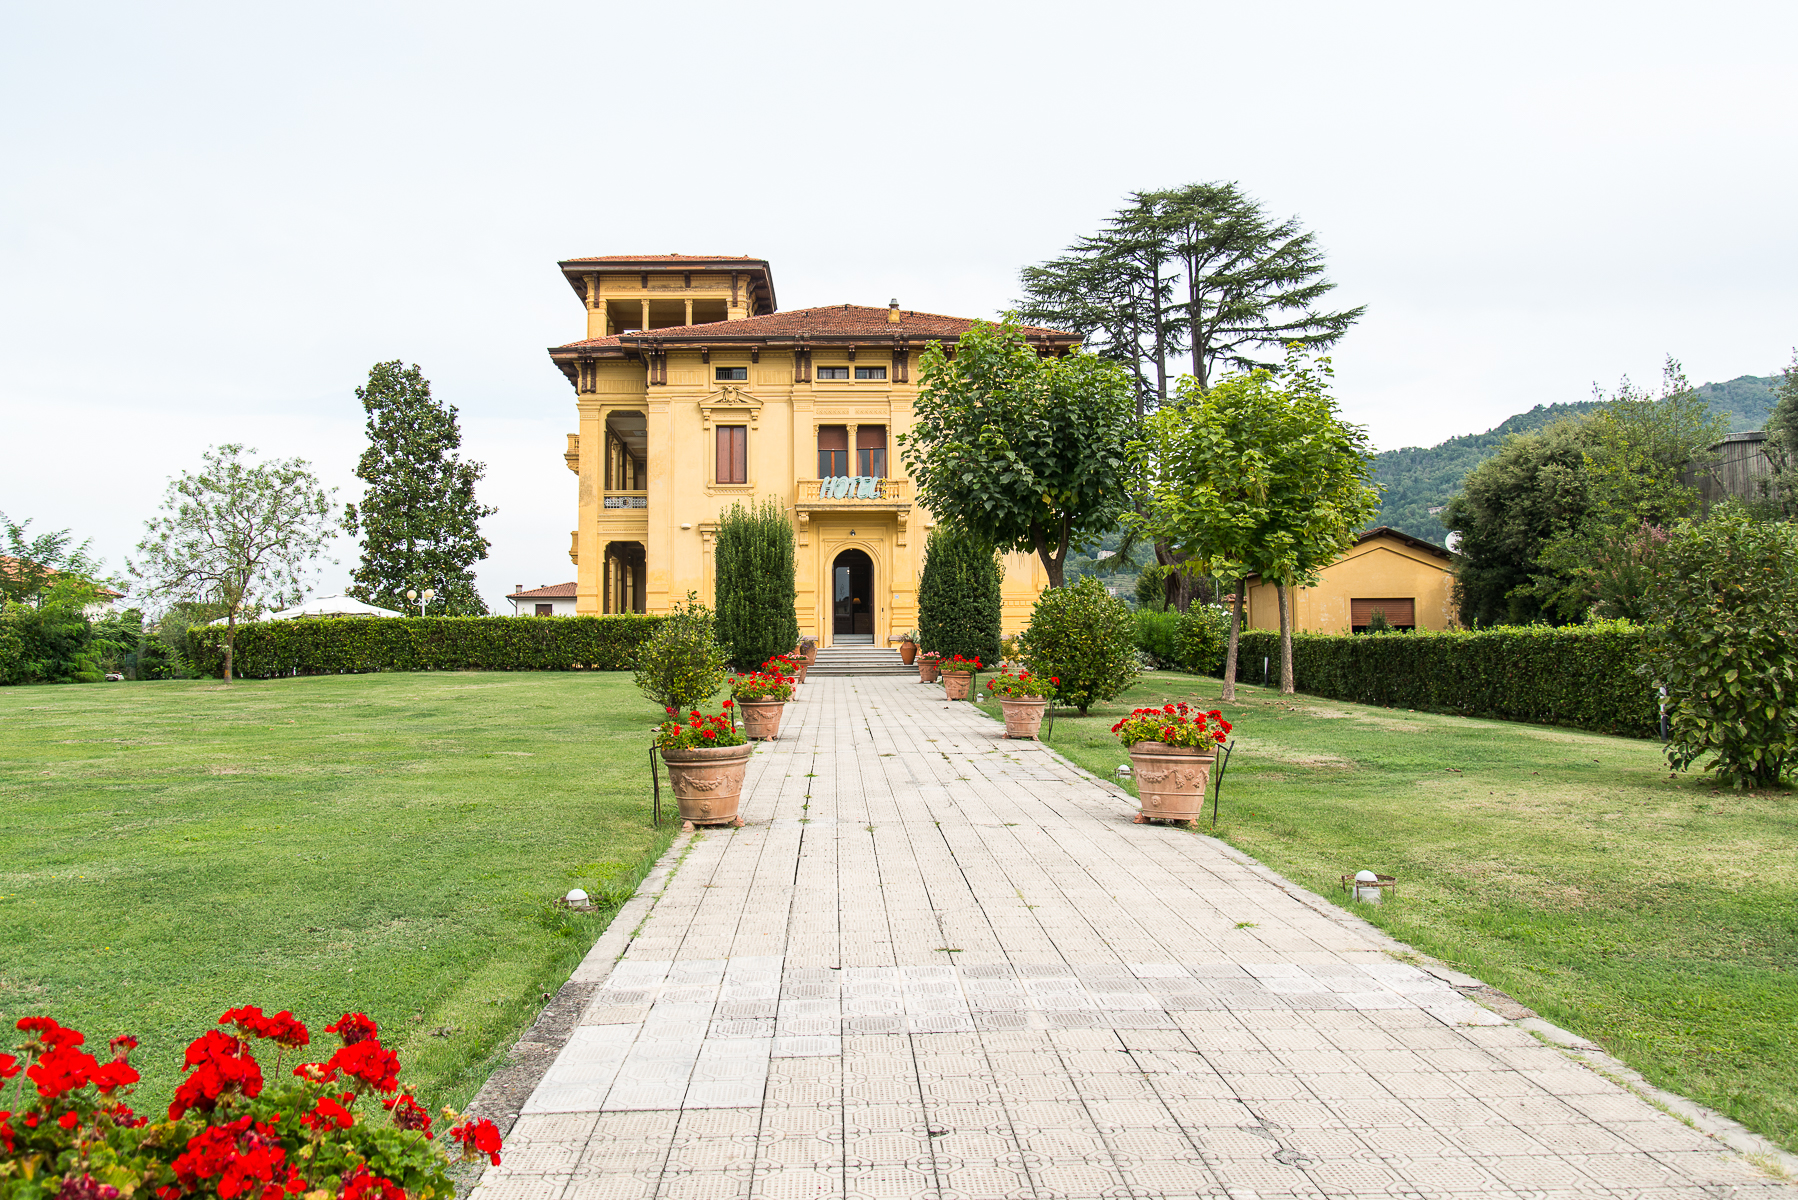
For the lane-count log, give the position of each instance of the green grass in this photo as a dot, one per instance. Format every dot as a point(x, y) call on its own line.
point(1655, 915)
point(389, 844)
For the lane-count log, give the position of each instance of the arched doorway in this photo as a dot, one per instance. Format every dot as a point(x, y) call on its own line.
point(852, 598)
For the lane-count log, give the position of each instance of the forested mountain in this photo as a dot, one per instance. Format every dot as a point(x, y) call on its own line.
point(1418, 478)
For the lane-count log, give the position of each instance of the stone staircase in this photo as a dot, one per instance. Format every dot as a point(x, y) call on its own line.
point(859, 660)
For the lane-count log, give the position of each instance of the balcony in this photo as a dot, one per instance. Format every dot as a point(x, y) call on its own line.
point(625, 500)
point(853, 492)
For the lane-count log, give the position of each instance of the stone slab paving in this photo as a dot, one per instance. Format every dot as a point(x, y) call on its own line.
point(937, 963)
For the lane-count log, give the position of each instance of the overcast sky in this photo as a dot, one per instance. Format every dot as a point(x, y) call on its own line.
point(214, 218)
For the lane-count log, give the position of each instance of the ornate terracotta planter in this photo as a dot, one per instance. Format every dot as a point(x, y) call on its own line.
point(927, 671)
point(1170, 781)
point(908, 651)
point(761, 718)
point(1023, 714)
point(957, 683)
point(708, 782)
point(809, 648)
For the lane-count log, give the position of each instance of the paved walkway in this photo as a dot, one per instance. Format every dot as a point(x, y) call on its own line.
point(940, 964)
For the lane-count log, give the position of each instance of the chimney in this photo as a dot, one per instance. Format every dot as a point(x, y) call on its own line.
point(893, 311)
point(518, 587)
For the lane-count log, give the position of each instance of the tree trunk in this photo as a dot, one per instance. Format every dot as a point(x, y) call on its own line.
point(1285, 594)
point(230, 641)
point(1052, 562)
point(1230, 654)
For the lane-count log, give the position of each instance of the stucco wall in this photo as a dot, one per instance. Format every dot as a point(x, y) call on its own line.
point(1381, 567)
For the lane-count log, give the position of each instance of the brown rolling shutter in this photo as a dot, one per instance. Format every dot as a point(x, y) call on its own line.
point(733, 454)
point(1398, 610)
point(833, 437)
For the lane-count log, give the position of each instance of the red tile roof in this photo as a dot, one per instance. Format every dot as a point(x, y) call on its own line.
point(829, 323)
point(555, 591)
point(636, 258)
point(9, 566)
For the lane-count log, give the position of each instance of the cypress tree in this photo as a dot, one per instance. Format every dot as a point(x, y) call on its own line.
point(418, 519)
point(755, 591)
point(958, 596)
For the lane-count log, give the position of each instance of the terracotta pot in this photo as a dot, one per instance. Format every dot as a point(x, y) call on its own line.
point(927, 671)
point(761, 718)
point(908, 651)
point(1023, 714)
point(802, 667)
point(1171, 781)
point(708, 782)
point(957, 683)
point(810, 649)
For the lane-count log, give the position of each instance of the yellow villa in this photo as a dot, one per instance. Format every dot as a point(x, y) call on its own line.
point(695, 391)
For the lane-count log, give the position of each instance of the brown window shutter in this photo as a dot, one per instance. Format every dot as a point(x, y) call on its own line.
point(1398, 610)
point(834, 437)
point(733, 454)
point(869, 437)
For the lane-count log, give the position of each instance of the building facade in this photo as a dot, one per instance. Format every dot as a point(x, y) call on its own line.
point(1409, 580)
point(694, 392)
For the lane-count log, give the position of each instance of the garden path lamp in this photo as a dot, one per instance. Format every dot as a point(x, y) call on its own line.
point(428, 595)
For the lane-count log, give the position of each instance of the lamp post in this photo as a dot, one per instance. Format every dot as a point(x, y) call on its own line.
point(429, 594)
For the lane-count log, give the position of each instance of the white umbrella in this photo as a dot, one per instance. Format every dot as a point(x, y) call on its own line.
point(332, 606)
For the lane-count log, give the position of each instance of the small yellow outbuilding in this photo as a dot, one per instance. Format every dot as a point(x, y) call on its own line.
point(1408, 579)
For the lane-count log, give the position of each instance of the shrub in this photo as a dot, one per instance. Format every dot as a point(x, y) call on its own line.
point(699, 731)
point(1725, 643)
point(1204, 637)
point(1157, 634)
point(354, 645)
point(958, 596)
point(1086, 638)
point(50, 642)
point(756, 595)
point(341, 1127)
point(1580, 675)
point(682, 664)
point(1174, 725)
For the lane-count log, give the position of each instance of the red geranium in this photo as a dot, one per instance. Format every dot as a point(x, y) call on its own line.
point(61, 1070)
point(371, 1065)
point(361, 1185)
point(328, 1114)
point(478, 1138)
point(410, 1114)
point(1174, 724)
point(221, 1065)
point(352, 1028)
point(234, 1158)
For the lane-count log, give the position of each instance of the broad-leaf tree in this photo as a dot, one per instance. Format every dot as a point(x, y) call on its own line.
point(237, 533)
point(418, 518)
point(1782, 443)
point(1258, 475)
point(30, 566)
point(1027, 453)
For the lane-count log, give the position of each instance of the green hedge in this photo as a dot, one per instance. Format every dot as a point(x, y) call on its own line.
point(353, 645)
point(1582, 675)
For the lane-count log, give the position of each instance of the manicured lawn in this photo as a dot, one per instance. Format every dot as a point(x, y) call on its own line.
point(382, 843)
point(1656, 916)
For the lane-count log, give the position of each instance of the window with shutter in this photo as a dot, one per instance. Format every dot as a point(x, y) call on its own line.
point(1400, 612)
point(871, 450)
point(733, 454)
point(833, 451)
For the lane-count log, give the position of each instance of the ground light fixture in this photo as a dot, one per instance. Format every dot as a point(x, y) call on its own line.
point(1122, 773)
point(1367, 887)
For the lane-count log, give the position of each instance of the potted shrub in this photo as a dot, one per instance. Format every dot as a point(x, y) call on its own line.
point(760, 697)
point(1023, 698)
point(958, 675)
point(927, 667)
point(908, 646)
point(706, 759)
point(343, 1127)
point(808, 649)
point(1172, 749)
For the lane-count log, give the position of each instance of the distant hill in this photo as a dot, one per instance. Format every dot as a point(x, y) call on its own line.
point(1418, 479)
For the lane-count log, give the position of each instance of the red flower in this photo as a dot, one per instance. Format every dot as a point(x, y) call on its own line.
point(328, 1114)
point(9, 1066)
point(410, 1114)
point(62, 1070)
point(671, 712)
point(47, 1033)
point(360, 1185)
point(85, 1187)
point(6, 1134)
point(115, 1075)
point(1055, 680)
point(478, 1138)
point(69, 1120)
point(122, 1046)
point(221, 1065)
point(352, 1028)
point(232, 1159)
point(727, 704)
point(370, 1064)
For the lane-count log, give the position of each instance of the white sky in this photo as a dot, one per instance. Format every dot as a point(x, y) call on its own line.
point(214, 218)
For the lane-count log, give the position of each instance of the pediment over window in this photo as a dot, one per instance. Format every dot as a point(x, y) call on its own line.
point(730, 406)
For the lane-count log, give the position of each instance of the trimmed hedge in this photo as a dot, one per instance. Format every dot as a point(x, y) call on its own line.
point(355, 645)
point(1585, 676)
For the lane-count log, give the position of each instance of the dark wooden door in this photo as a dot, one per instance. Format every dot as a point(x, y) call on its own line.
point(852, 590)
